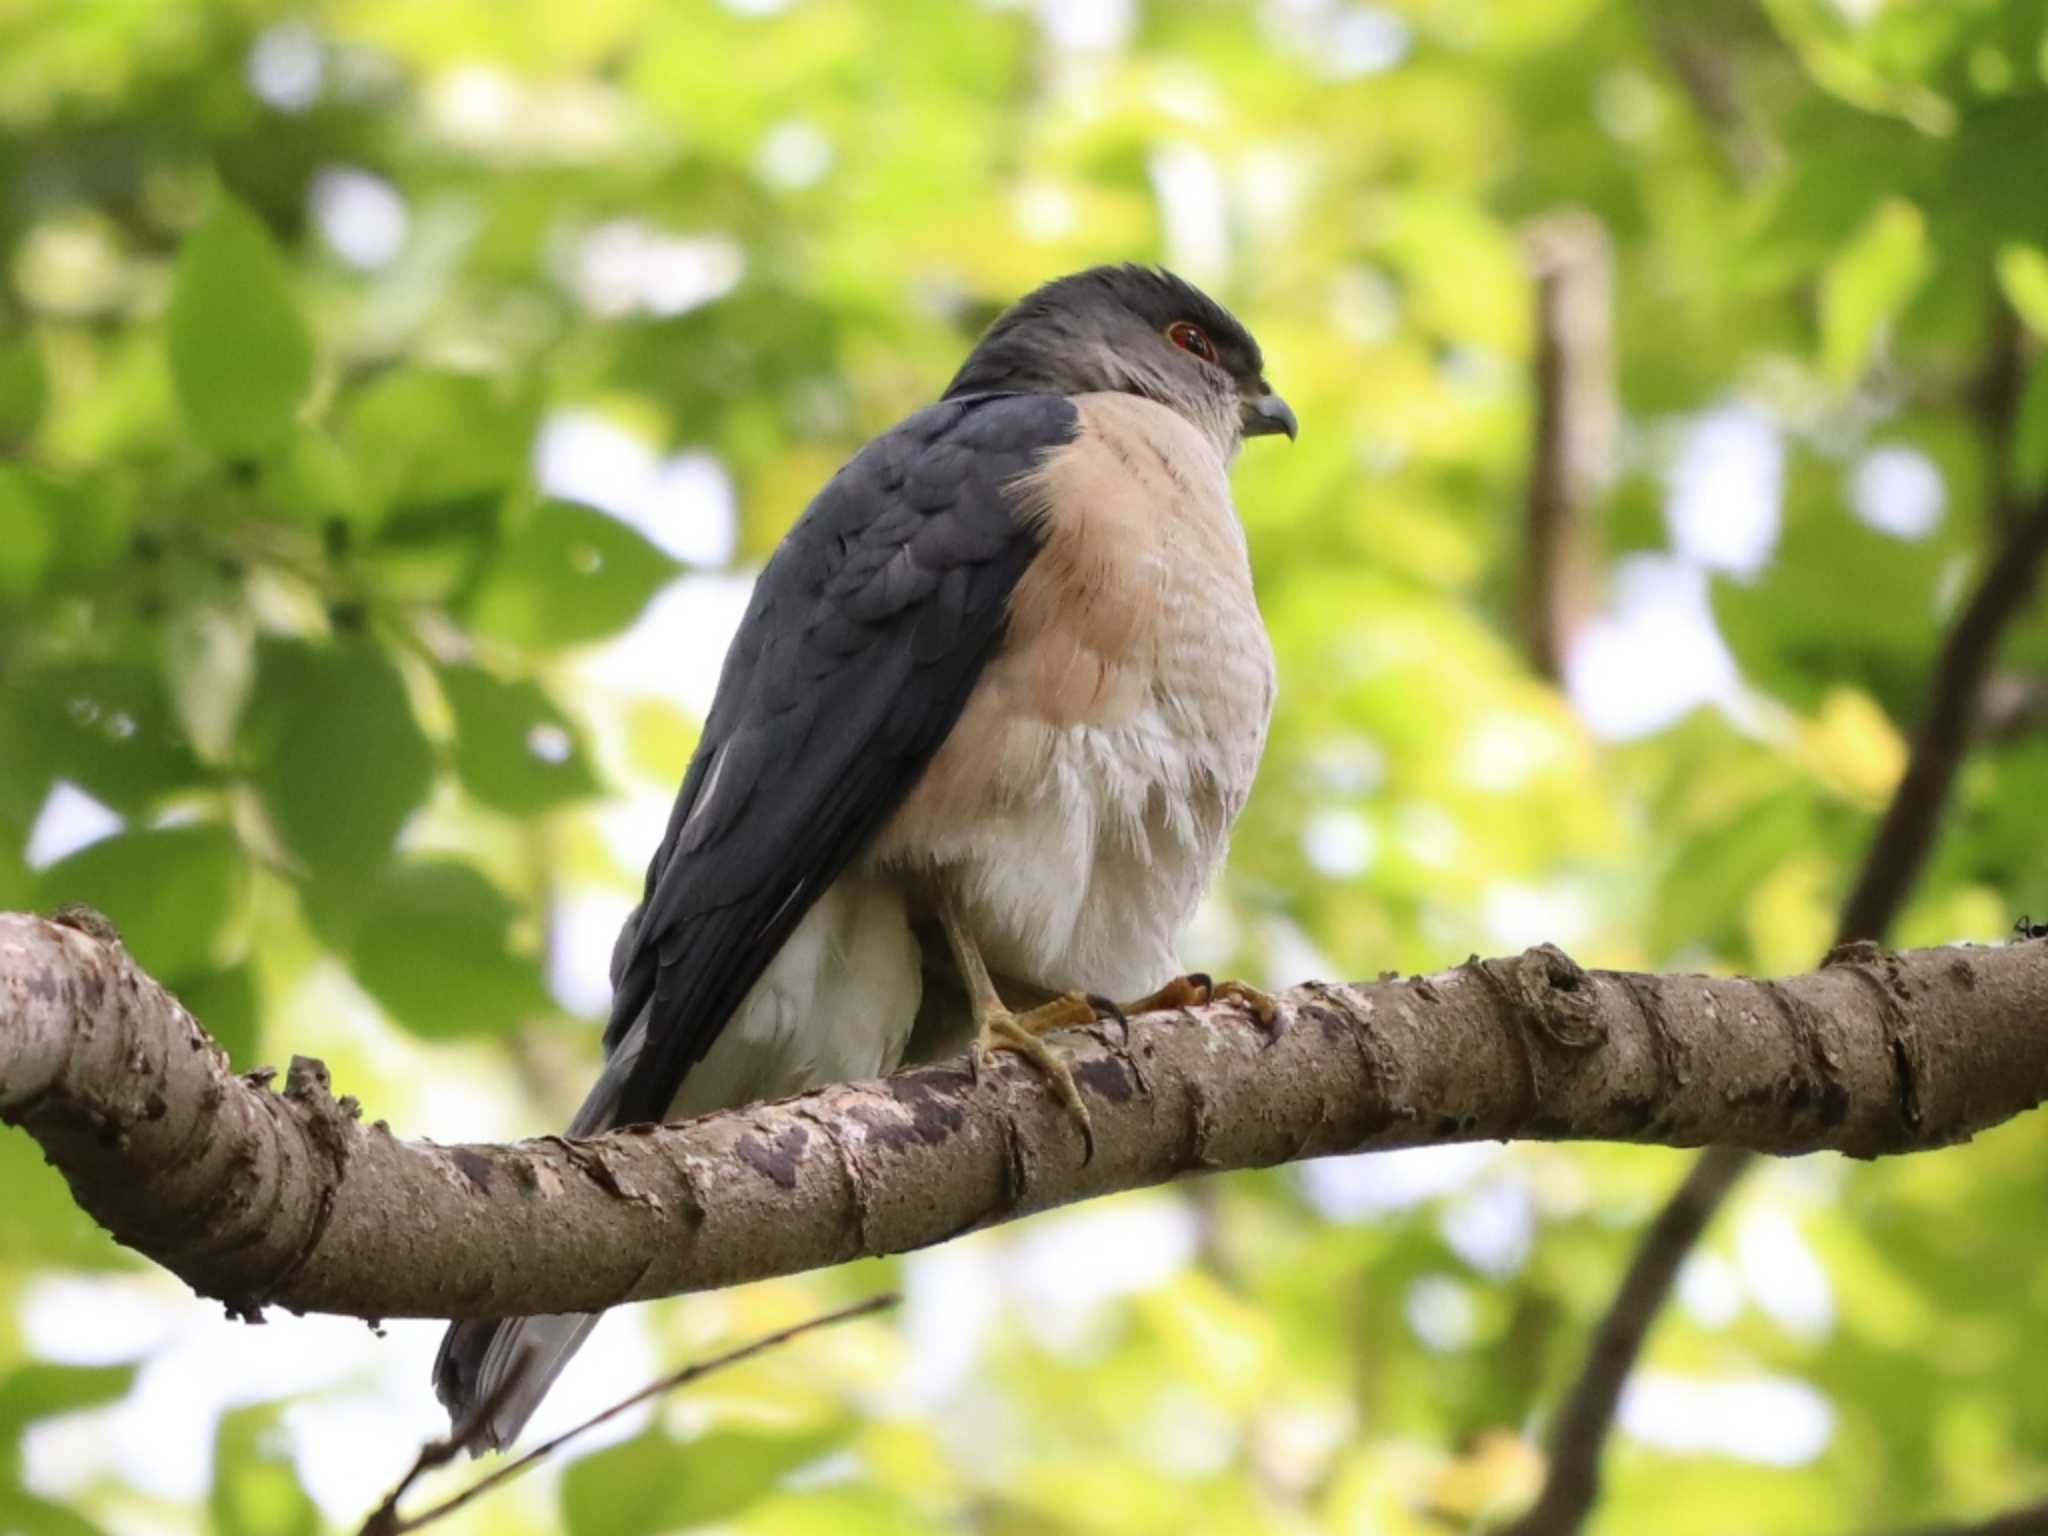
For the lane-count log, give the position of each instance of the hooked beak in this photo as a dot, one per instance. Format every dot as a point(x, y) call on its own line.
point(1266, 415)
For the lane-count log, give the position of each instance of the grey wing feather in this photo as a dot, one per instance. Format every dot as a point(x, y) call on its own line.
point(864, 638)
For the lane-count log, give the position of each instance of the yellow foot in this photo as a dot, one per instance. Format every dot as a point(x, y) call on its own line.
point(1020, 1032)
point(1197, 988)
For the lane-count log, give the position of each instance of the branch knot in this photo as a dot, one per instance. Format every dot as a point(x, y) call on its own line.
point(1554, 992)
point(1853, 952)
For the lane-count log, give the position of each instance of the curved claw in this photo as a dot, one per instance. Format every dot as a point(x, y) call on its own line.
point(1262, 1005)
point(1197, 988)
point(1019, 1033)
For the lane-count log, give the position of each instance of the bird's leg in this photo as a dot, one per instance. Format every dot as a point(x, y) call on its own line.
point(998, 1029)
point(1197, 988)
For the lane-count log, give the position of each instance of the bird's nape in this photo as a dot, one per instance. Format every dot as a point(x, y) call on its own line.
point(1134, 329)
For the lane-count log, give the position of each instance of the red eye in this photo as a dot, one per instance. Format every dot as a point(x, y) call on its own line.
point(1190, 337)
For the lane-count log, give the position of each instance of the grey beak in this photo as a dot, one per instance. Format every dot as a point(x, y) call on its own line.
point(1269, 414)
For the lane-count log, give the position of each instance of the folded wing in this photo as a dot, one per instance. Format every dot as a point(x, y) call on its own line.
point(865, 636)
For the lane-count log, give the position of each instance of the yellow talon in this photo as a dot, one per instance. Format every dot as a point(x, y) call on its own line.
point(1197, 988)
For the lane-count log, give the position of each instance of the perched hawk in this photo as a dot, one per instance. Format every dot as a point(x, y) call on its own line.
point(996, 700)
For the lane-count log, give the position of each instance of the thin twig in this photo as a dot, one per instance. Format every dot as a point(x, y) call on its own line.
point(386, 1521)
point(1898, 851)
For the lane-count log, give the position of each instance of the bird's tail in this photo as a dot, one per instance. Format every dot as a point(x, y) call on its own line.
point(478, 1357)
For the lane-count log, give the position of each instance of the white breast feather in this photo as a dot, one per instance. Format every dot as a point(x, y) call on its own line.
point(1091, 874)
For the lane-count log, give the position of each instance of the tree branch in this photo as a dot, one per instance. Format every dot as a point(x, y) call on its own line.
point(1577, 426)
point(1572, 1483)
point(1996, 395)
point(1906, 835)
point(260, 1198)
point(1891, 865)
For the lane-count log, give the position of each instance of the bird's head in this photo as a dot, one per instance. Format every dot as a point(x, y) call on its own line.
point(1140, 331)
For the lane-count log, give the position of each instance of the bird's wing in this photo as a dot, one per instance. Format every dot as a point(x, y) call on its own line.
point(864, 638)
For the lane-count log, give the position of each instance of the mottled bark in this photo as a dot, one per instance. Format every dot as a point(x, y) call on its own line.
point(266, 1198)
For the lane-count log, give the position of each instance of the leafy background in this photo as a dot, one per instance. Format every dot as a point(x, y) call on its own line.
point(394, 399)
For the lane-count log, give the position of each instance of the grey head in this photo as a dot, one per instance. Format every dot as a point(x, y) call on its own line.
point(1135, 330)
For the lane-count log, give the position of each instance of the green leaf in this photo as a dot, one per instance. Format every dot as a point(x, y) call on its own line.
point(241, 356)
point(17, 882)
point(44, 1224)
point(654, 1483)
point(23, 1514)
point(24, 388)
point(2023, 275)
point(172, 891)
point(47, 1391)
point(30, 509)
point(225, 1004)
point(1841, 603)
point(435, 949)
point(94, 524)
point(2030, 433)
point(433, 552)
point(515, 750)
point(622, 1490)
point(44, 1391)
point(108, 726)
point(336, 752)
point(428, 437)
point(1866, 286)
point(256, 1489)
point(1796, 225)
point(316, 482)
point(844, 1509)
point(567, 575)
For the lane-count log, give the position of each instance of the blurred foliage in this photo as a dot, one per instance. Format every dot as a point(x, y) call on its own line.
point(286, 613)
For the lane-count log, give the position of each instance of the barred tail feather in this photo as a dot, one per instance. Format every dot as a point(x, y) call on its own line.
point(477, 1357)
